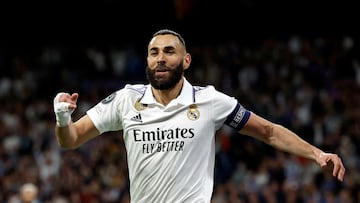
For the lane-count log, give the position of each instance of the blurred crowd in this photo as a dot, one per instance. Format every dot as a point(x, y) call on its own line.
point(308, 84)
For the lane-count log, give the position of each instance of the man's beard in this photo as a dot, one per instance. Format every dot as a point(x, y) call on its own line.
point(165, 83)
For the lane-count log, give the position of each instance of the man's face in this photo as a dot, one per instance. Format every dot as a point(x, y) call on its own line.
point(166, 57)
point(164, 78)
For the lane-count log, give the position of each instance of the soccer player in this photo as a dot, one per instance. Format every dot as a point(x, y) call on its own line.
point(169, 128)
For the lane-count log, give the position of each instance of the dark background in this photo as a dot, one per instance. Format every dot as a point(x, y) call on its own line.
point(110, 21)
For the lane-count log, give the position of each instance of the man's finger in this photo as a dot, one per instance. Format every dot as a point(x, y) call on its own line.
point(74, 97)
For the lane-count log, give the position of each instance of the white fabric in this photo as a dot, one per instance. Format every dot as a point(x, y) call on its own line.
point(170, 156)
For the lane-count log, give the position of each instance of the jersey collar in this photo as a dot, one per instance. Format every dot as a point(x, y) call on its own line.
point(186, 97)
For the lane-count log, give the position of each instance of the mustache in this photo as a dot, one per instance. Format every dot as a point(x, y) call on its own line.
point(161, 67)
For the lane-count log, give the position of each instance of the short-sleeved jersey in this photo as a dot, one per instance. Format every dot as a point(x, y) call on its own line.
point(170, 149)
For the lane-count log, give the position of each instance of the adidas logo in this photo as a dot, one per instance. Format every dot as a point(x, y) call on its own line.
point(137, 118)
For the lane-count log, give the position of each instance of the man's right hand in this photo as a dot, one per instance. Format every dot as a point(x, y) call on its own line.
point(64, 106)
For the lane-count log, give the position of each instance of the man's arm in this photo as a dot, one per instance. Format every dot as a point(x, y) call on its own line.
point(76, 133)
point(68, 133)
point(283, 139)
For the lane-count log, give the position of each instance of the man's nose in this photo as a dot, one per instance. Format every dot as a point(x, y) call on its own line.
point(161, 58)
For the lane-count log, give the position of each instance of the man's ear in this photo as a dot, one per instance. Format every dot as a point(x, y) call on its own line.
point(187, 61)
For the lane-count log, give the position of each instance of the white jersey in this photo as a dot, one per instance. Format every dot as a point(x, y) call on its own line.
point(170, 149)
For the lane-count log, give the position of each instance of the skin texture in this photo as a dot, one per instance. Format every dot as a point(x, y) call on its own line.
point(167, 59)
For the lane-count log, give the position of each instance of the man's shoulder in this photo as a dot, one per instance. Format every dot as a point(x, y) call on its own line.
point(203, 93)
point(130, 91)
point(209, 92)
point(201, 89)
point(135, 88)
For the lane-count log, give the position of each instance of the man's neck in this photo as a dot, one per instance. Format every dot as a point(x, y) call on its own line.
point(164, 97)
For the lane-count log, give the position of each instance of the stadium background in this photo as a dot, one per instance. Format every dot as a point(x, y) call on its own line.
point(296, 63)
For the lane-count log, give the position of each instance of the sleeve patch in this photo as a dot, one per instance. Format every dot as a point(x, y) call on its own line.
point(108, 99)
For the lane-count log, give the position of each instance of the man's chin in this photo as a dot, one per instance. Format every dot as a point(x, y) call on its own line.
point(163, 85)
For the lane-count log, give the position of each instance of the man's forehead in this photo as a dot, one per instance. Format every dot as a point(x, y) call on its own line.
point(165, 41)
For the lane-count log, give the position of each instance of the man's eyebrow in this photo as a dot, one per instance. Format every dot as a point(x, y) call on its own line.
point(165, 48)
point(169, 47)
point(154, 48)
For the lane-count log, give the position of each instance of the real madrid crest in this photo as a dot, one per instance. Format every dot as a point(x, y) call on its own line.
point(139, 106)
point(193, 113)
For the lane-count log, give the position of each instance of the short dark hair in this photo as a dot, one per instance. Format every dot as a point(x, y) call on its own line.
point(170, 32)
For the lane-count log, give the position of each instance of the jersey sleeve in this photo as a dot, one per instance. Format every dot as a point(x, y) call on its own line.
point(105, 115)
point(227, 110)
